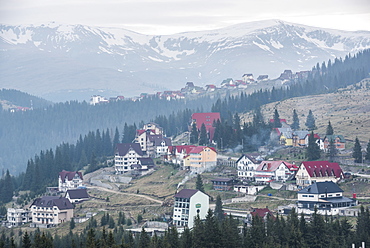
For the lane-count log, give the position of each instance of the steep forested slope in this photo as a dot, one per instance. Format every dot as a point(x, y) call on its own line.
point(23, 134)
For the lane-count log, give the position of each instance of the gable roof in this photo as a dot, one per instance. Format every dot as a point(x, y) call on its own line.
point(262, 212)
point(198, 149)
point(146, 161)
point(77, 193)
point(291, 167)
point(69, 175)
point(321, 188)
point(322, 169)
point(301, 134)
point(333, 137)
point(51, 201)
point(123, 148)
point(270, 166)
point(157, 140)
point(179, 149)
point(252, 159)
point(186, 193)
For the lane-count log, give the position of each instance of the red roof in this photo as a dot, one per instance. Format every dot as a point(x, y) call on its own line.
point(323, 169)
point(292, 167)
point(262, 212)
point(179, 149)
point(140, 131)
point(270, 166)
point(316, 136)
point(198, 149)
point(206, 118)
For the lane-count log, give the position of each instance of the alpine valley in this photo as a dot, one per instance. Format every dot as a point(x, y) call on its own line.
point(73, 62)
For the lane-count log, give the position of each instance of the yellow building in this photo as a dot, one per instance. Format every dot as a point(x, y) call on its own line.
point(200, 158)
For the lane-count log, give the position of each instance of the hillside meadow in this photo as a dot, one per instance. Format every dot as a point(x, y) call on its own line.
point(347, 109)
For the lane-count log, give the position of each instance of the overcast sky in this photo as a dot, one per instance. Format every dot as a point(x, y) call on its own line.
point(174, 16)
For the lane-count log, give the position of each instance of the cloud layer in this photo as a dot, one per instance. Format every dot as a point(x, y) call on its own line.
point(173, 16)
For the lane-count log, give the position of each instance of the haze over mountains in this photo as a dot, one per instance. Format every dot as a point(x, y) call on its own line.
point(66, 62)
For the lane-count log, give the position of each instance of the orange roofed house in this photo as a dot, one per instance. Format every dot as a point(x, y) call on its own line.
point(318, 171)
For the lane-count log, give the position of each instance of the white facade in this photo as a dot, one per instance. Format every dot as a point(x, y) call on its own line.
point(187, 208)
point(162, 150)
point(51, 211)
point(246, 167)
point(96, 99)
point(126, 155)
point(69, 180)
point(17, 217)
point(123, 163)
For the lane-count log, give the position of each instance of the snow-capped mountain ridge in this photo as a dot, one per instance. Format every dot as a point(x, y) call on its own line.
point(123, 60)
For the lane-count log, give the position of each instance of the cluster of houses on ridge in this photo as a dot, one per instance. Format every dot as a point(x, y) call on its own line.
point(191, 89)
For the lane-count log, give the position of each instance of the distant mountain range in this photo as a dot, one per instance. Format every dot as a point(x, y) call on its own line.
point(68, 62)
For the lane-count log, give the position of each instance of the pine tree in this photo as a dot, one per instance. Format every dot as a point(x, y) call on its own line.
point(144, 239)
point(357, 153)
point(219, 212)
point(332, 150)
point(295, 124)
point(329, 129)
point(186, 238)
point(277, 123)
point(90, 239)
point(367, 157)
point(115, 139)
point(199, 184)
point(194, 134)
point(7, 188)
point(203, 137)
point(72, 224)
point(313, 149)
point(26, 241)
point(310, 121)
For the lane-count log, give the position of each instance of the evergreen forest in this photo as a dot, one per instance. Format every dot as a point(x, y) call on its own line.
point(294, 231)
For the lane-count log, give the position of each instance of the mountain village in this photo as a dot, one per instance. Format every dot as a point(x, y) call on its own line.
point(205, 167)
point(314, 183)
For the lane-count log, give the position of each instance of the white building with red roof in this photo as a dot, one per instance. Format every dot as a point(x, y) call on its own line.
point(69, 180)
point(269, 171)
point(318, 171)
point(188, 204)
point(177, 153)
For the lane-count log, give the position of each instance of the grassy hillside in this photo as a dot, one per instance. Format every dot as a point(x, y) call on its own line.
point(348, 110)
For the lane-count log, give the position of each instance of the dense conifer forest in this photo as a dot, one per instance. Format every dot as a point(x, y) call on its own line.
point(294, 231)
point(23, 134)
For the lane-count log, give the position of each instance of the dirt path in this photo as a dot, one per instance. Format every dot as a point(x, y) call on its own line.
point(124, 193)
